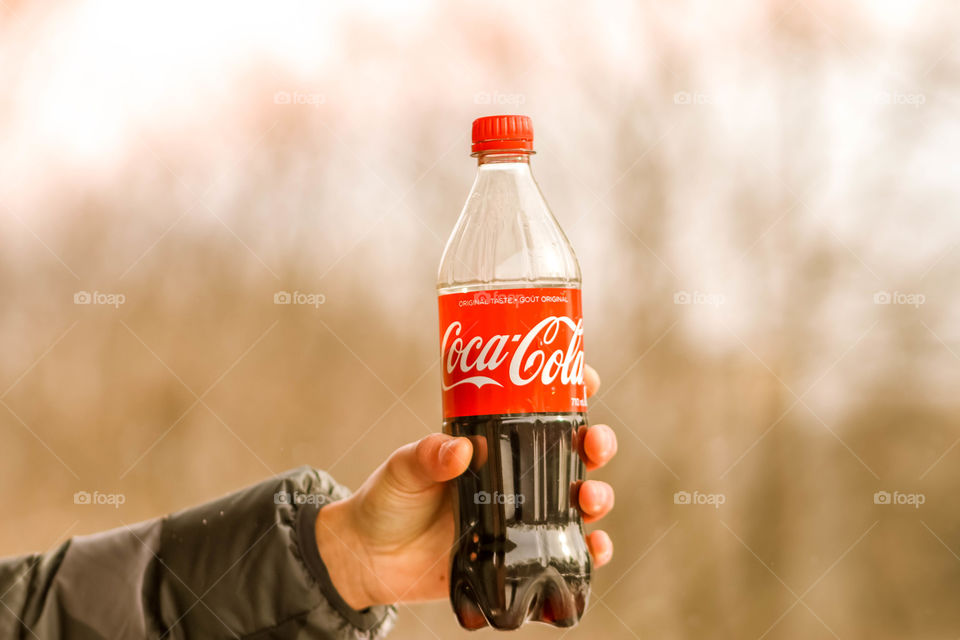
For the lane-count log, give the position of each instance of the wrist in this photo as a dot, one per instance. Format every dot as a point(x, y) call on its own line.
point(343, 554)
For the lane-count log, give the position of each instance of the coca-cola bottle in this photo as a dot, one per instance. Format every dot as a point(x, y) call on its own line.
point(511, 335)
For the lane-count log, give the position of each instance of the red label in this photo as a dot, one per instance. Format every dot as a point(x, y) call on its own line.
point(512, 351)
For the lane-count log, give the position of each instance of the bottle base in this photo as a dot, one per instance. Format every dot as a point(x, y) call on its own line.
point(550, 600)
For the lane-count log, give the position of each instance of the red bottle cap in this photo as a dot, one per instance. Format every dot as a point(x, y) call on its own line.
point(502, 133)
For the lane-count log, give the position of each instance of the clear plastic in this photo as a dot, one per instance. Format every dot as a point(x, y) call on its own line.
point(506, 236)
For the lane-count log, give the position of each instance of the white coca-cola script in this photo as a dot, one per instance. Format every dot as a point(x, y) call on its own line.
point(530, 356)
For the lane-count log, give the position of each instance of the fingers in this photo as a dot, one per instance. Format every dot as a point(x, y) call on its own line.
point(443, 457)
point(600, 547)
point(591, 379)
point(434, 459)
point(597, 444)
point(595, 500)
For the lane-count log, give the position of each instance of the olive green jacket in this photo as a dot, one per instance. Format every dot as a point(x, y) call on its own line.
point(243, 566)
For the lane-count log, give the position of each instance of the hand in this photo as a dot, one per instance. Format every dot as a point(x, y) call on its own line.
point(391, 540)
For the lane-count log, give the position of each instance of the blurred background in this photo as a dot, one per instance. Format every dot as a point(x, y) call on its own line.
point(762, 195)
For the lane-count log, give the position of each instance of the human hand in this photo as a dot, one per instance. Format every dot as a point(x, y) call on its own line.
point(391, 540)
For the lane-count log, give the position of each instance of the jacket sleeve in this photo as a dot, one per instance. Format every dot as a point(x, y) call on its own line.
point(243, 566)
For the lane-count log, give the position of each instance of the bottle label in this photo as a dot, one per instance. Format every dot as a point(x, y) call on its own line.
point(512, 351)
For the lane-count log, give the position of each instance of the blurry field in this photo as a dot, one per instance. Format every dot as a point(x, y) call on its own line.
point(762, 196)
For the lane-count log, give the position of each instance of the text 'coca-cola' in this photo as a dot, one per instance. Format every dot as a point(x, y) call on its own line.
point(512, 351)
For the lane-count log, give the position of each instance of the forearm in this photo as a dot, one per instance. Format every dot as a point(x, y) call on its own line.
point(233, 567)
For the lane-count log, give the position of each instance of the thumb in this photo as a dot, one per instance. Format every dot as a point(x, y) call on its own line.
point(434, 459)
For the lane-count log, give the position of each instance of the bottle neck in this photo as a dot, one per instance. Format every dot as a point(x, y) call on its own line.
point(498, 171)
point(488, 158)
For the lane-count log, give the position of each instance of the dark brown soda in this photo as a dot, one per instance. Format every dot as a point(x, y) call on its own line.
point(520, 553)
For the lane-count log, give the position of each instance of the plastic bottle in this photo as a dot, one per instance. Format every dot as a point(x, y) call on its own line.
point(511, 335)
